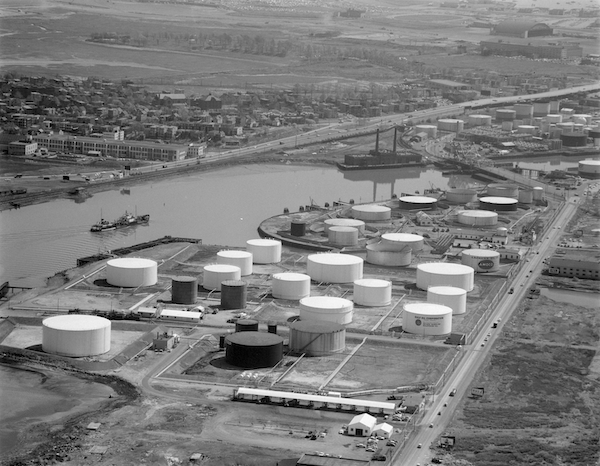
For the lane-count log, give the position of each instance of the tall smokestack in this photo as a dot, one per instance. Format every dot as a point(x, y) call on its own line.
point(395, 137)
point(377, 142)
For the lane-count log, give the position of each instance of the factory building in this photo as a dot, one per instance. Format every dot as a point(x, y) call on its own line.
point(76, 335)
point(521, 28)
point(577, 267)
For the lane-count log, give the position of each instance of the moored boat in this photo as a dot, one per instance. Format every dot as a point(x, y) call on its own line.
point(124, 220)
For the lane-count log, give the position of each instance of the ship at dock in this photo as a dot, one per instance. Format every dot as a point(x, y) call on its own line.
point(125, 220)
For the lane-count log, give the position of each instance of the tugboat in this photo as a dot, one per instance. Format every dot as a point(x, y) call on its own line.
point(124, 220)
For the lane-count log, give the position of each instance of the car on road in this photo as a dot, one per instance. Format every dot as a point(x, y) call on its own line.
point(419, 445)
point(453, 392)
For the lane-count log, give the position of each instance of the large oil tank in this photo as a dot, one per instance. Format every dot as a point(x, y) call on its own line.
point(372, 292)
point(538, 193)
point(289, 285)
point(573, 139)
point(184, 290)
point(317, 338)
point(76, 335)
point(241, 259)
point(246, 325)
point(298, 228)
point(454, 298)
point(371, 212)
point(131, 272)
point(450, 124)
point(417, 202)
point(479, 120)
point(402, 242)
point(554, 118)
point(498, 204)
point(477, 218)
point(215, 274)
point(589, 168)
point(344, 222)
point(378, 255)
point(233, 294)
point(525, 196)
point(481, 260)
point(430, 130)
point(527, 129)
point(334, 268)
point(253, 350)
point(343, 236)
point(541, 109)
point(445, 274)
point(523, 110)
point(427, 319)
point(461, 196)
point(505, 114)
point(328, 308)
point(264, 251)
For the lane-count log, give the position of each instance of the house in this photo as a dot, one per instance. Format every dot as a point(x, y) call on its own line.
point(383, 430)
point(362, 425)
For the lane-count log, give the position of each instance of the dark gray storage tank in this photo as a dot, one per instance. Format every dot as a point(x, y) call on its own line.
point(246, 325)
point(298, 228)
point(184, 290)
point(233, 294)
point(253, 350)
point(272, 328)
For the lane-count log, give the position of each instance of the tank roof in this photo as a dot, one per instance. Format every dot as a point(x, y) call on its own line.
point(291, 276)
point(445, 268)
point(498, 200)
point(418, 199)
point(481, 253)
point(335, 259)
point(373, 282)
point(427, 309)
point(76, 322)
point(447, 290)
point(478, 213)
point(254, 338)
point(131, 262)
point(326, 302)
point(402, 237)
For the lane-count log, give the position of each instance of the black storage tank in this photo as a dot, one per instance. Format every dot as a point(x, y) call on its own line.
point(233, 294)
point(246, 325)
point(253, 350)
point(184, 290)
point(298, 228)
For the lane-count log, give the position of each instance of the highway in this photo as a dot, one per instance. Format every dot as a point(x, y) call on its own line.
point(476, 352)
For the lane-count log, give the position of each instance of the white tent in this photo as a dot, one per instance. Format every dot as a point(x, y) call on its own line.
point(383, 430)
point(362, 425)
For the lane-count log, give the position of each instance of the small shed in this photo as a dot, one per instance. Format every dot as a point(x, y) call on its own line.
point(362, 425)
point(383, 430)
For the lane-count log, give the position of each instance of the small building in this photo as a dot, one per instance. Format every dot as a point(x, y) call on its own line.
point(575, 267)
point(522, 28)
point(164, 341)
point(362, 425)
point(383, 430)
point(185, 316)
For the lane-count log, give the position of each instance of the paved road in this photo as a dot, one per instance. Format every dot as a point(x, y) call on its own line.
point(479, 349)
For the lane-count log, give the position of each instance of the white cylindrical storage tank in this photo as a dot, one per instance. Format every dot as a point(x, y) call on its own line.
point(131, 272)
point(264, 251)
point(527, 129)
point(344, 222)
point(565, 126)
point(377, 255)
point(372, 292)
point(241, 259)
point(454, 298)
point(401, 242)
point(554, 118)
point(317, 338)
point(523, 110)
point(445, 274)
point(501, 231)
point(538, 193)
point(479, 120)
point(507, 126)
point(334, 268)
point(371, 212)
point(589, 168)
point(498, 204)
point(541, 108)
point(343, 236)
point(216, 273)
point(76, 335)
point(505, 114)
point(431, 130)
point(567, 111)
point(427, 319)
point(327, 308)
point(417, 202)
point(525, 196)
point(582, 118)
point(289, 285)
point(477, 218)
point(450, 124)
point(503, 190)
point(461, 196)
point(481, 260)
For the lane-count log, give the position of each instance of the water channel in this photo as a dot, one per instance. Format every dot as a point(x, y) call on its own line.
point(222, 207)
